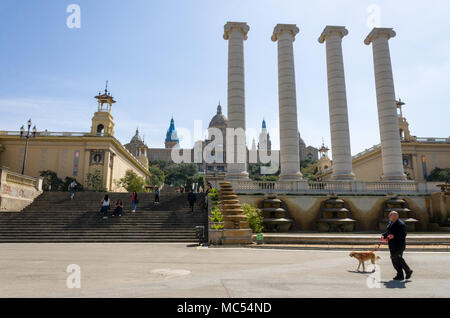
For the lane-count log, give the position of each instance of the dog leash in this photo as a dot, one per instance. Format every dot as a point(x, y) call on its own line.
point(381, 242)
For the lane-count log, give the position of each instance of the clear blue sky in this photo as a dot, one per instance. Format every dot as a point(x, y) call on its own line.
point(165, 58)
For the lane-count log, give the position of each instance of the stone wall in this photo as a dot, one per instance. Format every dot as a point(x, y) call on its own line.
point(17, 191)
point(365, 209)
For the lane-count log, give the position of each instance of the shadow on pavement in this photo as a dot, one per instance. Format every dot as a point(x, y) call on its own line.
point(396, 284)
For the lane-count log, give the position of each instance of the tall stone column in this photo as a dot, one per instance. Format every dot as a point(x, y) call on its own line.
point(337, 97)
point(236, 33)
point(289, 147)
point(391, 149)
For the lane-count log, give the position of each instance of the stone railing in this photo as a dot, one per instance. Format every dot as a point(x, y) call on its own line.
point(16, 190)
point(47, 133)
point(336, 187)
point(433, 140)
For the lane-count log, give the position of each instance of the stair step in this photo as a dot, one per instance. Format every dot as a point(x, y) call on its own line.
point(53, 217)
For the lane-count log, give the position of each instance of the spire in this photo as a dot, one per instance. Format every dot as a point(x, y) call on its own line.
point(219, 109)
point(171, 132)
point(264, 124)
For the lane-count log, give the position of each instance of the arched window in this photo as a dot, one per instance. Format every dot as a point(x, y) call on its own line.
point(100, 130)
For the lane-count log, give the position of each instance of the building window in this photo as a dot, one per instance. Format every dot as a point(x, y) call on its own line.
point(76, 161)
point(424, 167)
point(100, 129)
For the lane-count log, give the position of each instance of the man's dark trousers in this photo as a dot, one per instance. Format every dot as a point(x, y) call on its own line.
point(399, 263)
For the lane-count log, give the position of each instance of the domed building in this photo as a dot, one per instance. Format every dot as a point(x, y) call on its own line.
point(307, 152)
point(213, 169)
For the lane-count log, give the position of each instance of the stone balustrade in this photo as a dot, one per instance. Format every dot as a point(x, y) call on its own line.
point(336, 187)
point(16, 190)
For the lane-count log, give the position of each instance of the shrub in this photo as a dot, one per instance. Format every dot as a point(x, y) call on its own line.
point(216, 218)
point(94, 181)
point(254, 217)
point(214, 195)
point(51, 182)
point(68, 181)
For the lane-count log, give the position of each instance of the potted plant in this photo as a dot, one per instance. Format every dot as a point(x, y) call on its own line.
point(255, 221)
point(216, 226)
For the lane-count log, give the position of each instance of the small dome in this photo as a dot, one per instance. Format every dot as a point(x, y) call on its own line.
point(301, 142)
point(137, 140)
point(219, 120)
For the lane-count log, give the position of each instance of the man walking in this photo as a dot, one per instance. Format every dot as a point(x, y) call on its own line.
point(157, 193)
point(72, 187)
point(396, 234)
point(191, 199)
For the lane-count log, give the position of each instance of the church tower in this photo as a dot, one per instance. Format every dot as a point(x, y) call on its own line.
point(103, 121)
point(405, 134)
point(264, 139)
point(324, 161)
point(171, 136)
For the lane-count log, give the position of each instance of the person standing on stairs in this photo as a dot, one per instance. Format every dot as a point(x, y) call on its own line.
point(72, 187)
point(191, 199)
point(157, 193)
point(105, 206)
point(134, 201)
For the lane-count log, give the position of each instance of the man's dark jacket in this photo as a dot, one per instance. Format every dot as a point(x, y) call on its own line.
point(398, 229)
point(191, 197)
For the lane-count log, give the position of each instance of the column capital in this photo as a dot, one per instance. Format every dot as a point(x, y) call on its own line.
point(241, 26)
point(330, 30)
point(280, 28)
point(379, 32)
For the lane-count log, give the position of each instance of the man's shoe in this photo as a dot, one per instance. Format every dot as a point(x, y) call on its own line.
point(409, 274)
point(398, 278)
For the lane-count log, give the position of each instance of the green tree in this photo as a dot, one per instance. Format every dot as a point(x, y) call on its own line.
point(178, 174)
point(309, 168)
point(254, 170)
point(68, 181)
point(51, 182)
point(439, 174)
point(132, 182)
point(157, 176)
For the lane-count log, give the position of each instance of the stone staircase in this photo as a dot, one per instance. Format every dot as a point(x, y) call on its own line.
point(53, 217)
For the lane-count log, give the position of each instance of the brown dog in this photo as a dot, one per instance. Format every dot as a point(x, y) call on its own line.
point(363, 257)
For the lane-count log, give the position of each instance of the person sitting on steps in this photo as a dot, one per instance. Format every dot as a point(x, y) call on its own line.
point(118, 209)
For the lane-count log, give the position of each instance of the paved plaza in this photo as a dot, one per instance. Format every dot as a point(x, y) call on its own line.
point(178, 270)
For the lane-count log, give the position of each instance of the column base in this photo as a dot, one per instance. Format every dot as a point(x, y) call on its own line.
point(237, 176)
point(400, 177)
point(291, 177)
point(343, 177)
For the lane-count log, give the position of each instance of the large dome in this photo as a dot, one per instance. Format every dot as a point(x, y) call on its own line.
point(219, 120)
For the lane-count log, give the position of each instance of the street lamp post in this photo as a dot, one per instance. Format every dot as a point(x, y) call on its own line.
point(29, 134)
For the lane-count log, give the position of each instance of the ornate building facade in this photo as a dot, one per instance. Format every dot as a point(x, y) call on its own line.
point(420, 155)
point(75, 154)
